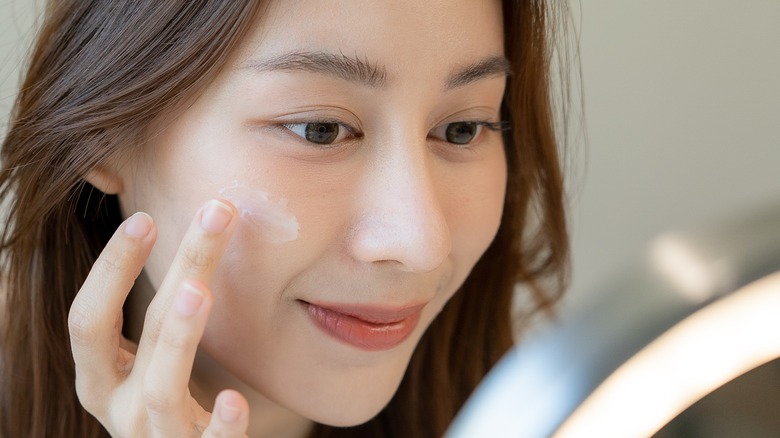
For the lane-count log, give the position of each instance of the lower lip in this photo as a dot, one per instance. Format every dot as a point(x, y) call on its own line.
point(362, 334)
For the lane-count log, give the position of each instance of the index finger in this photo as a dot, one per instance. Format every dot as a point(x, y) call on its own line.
point(197, 258)
point(93, 320)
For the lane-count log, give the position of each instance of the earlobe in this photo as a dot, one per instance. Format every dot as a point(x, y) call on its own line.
point(105, 180)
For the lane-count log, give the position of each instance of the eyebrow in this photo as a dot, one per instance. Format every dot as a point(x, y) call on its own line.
point(485, 68)
point(364, 72)
point(352, 69)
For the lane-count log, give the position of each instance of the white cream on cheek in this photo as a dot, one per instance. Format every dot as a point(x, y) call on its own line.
point(271, 219)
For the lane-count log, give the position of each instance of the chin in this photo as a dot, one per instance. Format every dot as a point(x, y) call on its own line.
point(349, 417)
point(344, 408)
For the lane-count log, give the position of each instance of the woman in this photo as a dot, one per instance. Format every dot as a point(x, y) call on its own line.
point(326, 205)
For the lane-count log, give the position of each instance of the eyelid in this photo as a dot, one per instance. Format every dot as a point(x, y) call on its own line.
point(321, 114)
point(499, 126)
point(351, 133)
point(323, 121)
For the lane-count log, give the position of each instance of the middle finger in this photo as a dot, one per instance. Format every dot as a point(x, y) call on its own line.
point(197, 258)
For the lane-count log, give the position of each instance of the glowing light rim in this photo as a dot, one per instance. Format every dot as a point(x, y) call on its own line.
point(730, 338)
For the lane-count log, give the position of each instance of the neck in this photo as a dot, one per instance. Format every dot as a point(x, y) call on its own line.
point(267, 419)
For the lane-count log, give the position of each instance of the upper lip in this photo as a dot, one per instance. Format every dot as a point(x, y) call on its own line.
point(372, 313)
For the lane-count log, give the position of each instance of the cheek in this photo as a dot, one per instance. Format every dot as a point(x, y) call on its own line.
point(282, 233)
point(262, 217)
point(185, 168)
point(473, 203)
point(172, 216)
point(278, 240)
point(474, 209)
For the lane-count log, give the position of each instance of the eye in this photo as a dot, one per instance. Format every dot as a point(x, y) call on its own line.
point(458, 132)
point(465, 132)
point(321, 133)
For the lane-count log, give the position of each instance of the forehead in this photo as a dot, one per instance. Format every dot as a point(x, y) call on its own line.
point(405, 38)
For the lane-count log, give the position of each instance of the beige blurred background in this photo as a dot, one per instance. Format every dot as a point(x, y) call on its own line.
point(682, 101)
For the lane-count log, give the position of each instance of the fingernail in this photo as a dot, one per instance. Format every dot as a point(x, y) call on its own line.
point(228, 413)
point(188, 299)
point(215, 217)
point(138, 225)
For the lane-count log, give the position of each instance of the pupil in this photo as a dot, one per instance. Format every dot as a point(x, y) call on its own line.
point(322, 133)
point(462, 132)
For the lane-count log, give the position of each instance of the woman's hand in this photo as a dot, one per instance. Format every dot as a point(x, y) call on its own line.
point(146, 394)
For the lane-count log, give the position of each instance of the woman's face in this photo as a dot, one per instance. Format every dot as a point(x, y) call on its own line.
point(345, 133)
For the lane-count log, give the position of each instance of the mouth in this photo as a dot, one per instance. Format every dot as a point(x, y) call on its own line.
point(371, 328)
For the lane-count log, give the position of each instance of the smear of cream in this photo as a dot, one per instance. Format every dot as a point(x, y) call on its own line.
point(270, 218)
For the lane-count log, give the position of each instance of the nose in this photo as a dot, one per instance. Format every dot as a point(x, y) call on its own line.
point(400, 220)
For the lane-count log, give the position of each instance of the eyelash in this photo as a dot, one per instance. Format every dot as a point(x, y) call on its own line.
point(499, 126)
point(352, 132)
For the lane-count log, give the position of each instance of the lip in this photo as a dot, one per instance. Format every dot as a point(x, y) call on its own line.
point(371, 328)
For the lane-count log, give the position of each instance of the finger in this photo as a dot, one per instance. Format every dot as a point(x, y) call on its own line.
point(230, 418)
point(166, 393)
point(94, 320)
point(197, 257)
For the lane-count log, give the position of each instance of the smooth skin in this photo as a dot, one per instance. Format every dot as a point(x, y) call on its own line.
point(156, 376)
point(391, 214)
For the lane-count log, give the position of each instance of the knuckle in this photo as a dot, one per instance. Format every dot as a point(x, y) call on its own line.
point(87, 395)
point(154, 323)
point(81, 325)
point(156, 399)
point(176, 340)
point(196, 260)
point(158, 329)
point(113, 262)
point(198, 430)
point(118, 259)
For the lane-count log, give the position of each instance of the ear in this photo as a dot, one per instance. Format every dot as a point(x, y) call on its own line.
point(106, 180)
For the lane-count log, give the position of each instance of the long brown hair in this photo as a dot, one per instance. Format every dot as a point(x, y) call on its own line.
point(103, 70)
